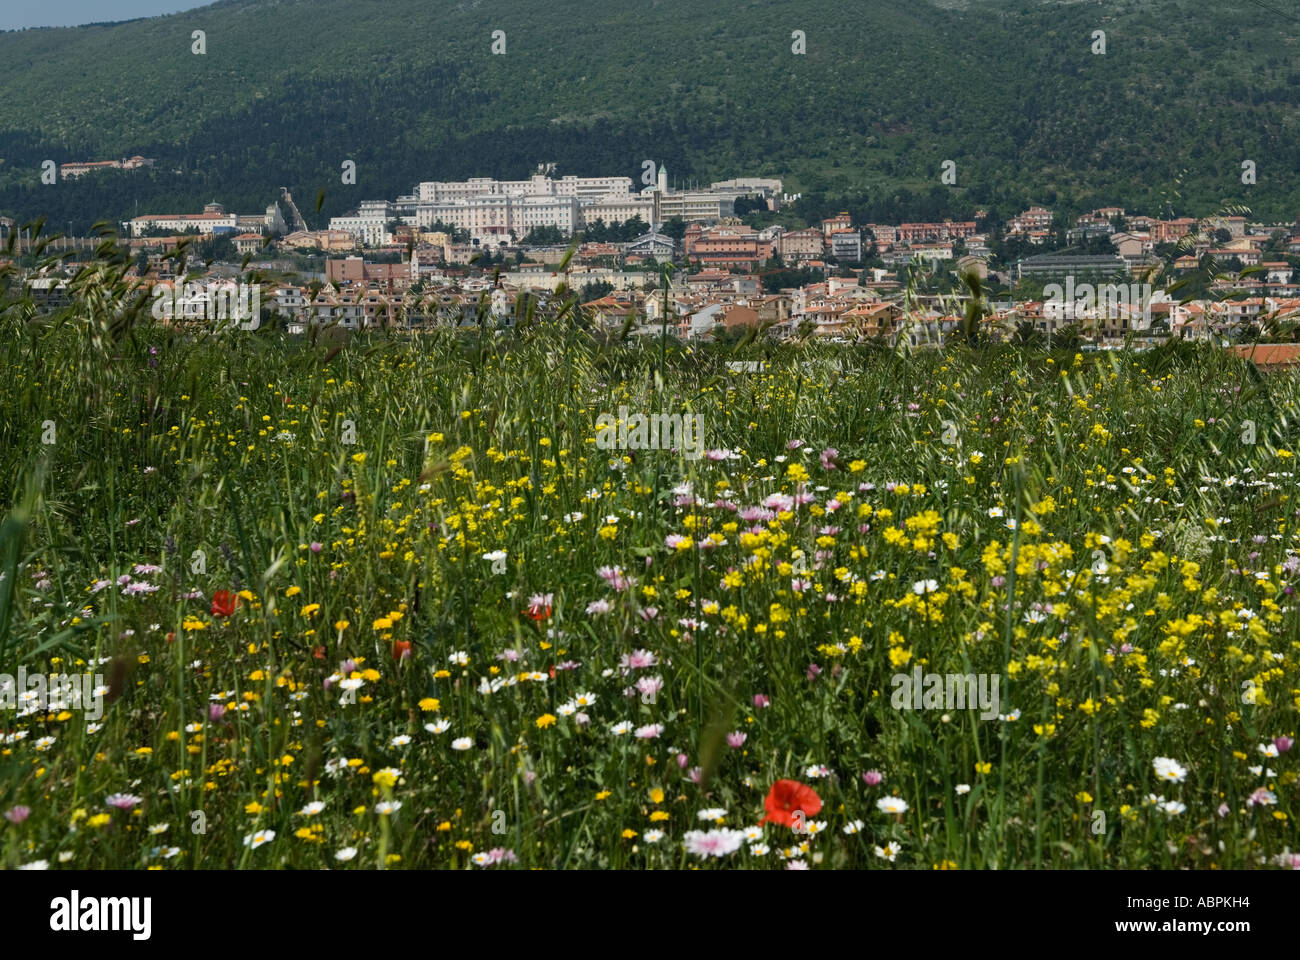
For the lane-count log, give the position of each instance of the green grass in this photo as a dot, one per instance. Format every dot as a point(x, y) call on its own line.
point(166, 444)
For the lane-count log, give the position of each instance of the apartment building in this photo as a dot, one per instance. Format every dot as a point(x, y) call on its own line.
point(1171, 231)
point(369, 223)
point(798, 245)
point(1248, 258)
point(933, 232)
point(356, 270)
point(846, 246)
point(1054, 266)
point(525, 213)
point(618, 207)
point(841, 221)
point(1236, 226)
point(769, 190)
point(726, 246)
point(918, 252)
point(1277, 271)
point(693, 205)
point(880, 236)
point(1035, 218)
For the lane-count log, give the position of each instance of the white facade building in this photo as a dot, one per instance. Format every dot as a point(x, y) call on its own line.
point(206, 223)
point(616, 207)
point(369, 224)
point(499, 215)
point(583, 188)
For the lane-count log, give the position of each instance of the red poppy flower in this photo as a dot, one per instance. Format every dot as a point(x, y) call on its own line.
point(224, 603)
point(319, 653)
point(171, 638)
point(401, 649)
point(787, 796)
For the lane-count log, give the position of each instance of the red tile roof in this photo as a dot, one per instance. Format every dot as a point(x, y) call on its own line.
point(1269, 354)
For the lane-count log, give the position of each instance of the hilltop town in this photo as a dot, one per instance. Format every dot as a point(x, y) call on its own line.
point(448, 250)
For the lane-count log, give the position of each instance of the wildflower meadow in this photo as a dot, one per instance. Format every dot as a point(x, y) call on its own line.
point(387, 600)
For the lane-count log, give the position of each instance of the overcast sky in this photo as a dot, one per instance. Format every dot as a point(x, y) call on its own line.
point(68, 13)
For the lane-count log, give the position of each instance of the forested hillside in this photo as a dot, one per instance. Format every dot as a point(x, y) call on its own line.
point(1010, 90)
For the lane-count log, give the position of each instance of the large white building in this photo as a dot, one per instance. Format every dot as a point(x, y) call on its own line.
point(499, 215)
point(584, 188)
point(369, 224)
point(617, 207)
point(494, 209)
point(564, 213)
point(693, 205)
point(213, 220)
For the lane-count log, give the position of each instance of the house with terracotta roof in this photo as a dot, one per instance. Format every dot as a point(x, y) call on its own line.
point(1033, 219)
point(1269, 356)
point(611, 310)
point(707, 278)
point(739, 315)
point(1248, 258)
point(1277, 271)
point(246, 243)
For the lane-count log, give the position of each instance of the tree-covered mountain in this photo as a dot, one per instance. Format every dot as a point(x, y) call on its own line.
point(1011, 91)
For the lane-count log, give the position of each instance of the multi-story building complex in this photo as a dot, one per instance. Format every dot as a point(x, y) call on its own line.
point(884, 234)
point(932, 232)
point(920, 251)
point(1035, 218)
point(798, 245)
point(539, 185)
point(846, 246)
point(693, 205)
point(369, 224)
point(1056, 266)
point(1171, 231)
point(212, 221)
point(618, 207)
point(726, 246)
point(841, 221)
point(769, 190)
point(77, 168)
point(355, 269)
point(499, 215)
point(563, 213)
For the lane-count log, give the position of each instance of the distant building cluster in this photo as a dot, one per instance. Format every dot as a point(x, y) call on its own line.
point(213, 221)
point(78, 168)
point(489, 211)
point(493, 210)
point(427, 245)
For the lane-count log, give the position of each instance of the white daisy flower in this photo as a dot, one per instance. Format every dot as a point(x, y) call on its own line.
point(891, 805)
point(1168, 769)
